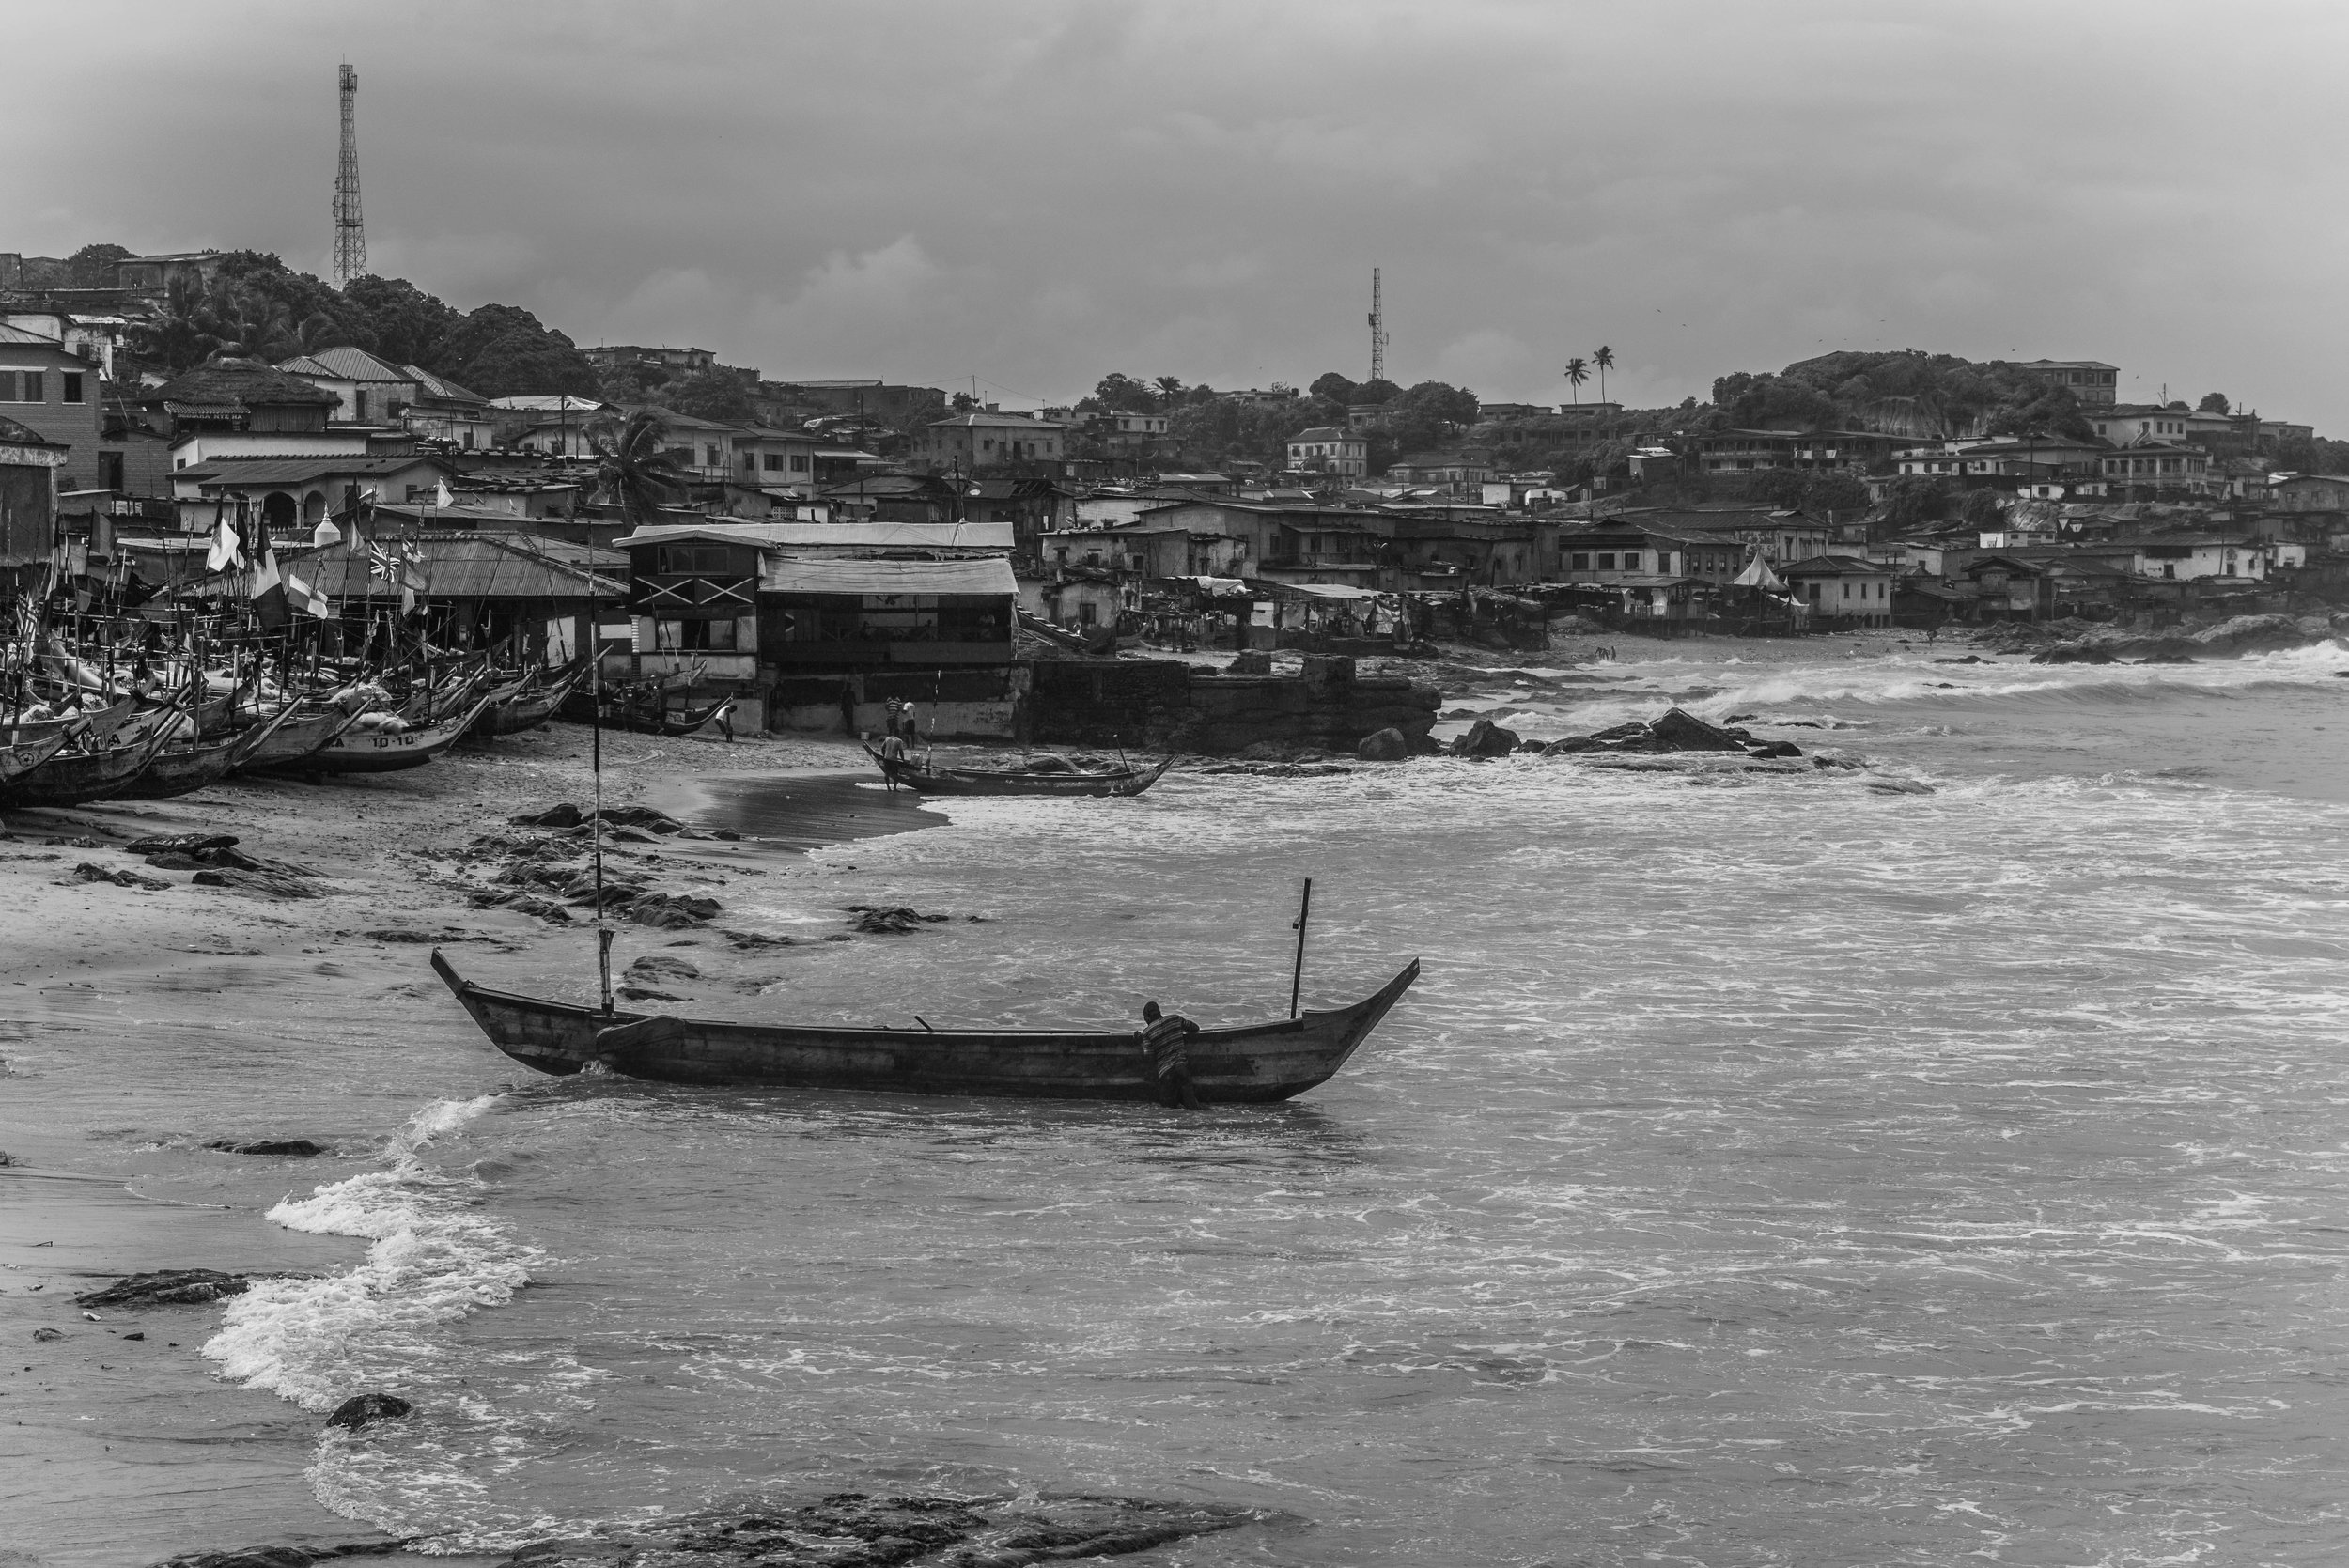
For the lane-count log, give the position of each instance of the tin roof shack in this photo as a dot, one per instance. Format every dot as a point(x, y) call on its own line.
point(54, 393)
point(1842, 590)
point(29, 464)
point(1434, 546)
point(2007, 587)
point(831, 621)
point(2186, 557)
point(300, 491)
point(231, 406)
point(481, 589)
point(1777, 534)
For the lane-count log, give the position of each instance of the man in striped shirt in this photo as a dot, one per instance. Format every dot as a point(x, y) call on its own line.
point(1166, 1037)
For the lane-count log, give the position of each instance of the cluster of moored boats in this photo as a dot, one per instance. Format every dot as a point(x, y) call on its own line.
point(72, 736)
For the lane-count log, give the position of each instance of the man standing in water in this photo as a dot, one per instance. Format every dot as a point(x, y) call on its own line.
point(1166, 1038)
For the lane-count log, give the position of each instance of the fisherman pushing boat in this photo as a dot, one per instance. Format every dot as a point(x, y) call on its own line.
point(1166, 1039)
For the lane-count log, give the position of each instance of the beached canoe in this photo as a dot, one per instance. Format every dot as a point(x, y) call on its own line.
point(102, 722)
point(579, 708)
point(24, 755)
point(374, 751)
point(981, 780)
point(78, 778)
point(307, 730)
point(1254, 1064)
point(525, 710)
point(184, 769)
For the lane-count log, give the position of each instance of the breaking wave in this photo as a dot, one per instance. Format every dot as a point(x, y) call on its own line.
point(435, 1257)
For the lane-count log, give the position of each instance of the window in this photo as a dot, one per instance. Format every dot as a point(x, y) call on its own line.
point(698, 636)
point(72, 386)
point(710, 456)
point(110, 472)
point(774, 462)
point(34, 392)
point(1581, 563)
point(7, 386)
point(358, 405)
point(1848, 590)
point(1084, 614)
point(1606, 561)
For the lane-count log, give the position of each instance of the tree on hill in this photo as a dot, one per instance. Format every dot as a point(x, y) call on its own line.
point(1982, 508)
point(1579, 371)
point(407, 323)
point(713, 394)
point(1376, 392)
point(93, 266)
point(1334, 387)
point(504, 352)
point(2213, 402)
point(1914, 499)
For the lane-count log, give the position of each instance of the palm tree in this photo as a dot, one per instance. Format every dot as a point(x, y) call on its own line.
point(1605, 360)
point(1578, 371)
point(634, 469)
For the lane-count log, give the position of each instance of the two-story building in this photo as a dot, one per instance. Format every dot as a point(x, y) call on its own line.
point(2092, 381)
point(2187, 558)
point(1325, 449)
point(368, 390)
point(981, 439)
point(2156, 466)
point(56, 394)
point(234, 405)
point(1843, 588)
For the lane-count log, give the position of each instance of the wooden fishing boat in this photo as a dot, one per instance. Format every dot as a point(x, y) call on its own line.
point(375, 752)
point(184, 769)
point(102, 722)
point(932, 780)
point(299, 732)
point(78, 778)
point(1254, 1063)
point(526, 710)
point(619, 714)
point(24, 755)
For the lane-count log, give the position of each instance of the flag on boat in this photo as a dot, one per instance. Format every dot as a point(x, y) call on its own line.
point(301, 597)
point(222, 552)
point(269, 592)
point(383, 563)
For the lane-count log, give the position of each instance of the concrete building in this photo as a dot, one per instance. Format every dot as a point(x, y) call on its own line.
point(2090, 381)
point(1843, 588)
point(56, 394)
point(1325, 449)
point(969, 443)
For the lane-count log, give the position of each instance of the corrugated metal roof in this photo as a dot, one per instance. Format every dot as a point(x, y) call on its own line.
point(429, 385)
point(988, 575)
point(349, 363)
point(297, 471)
point(456, 566)
point(839, 535)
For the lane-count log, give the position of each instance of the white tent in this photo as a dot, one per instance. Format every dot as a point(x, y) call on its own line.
point(1758, 575)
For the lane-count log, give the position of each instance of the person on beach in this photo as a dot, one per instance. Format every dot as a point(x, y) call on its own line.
point(911, 726)
point(1166, 1036)
point(723, 718)
point(892, 749)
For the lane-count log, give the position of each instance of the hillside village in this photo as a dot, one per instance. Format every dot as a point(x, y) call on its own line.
point(836, 533)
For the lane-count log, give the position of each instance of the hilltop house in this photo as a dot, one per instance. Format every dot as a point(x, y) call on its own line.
point(1325, 449)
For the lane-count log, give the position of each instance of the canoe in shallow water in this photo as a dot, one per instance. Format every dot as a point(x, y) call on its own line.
point(1251, 1064)
point(982, 780)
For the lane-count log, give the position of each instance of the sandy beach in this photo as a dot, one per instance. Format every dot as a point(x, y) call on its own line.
point(116, 1452)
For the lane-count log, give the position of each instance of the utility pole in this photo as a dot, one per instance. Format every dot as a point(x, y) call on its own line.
point(1378, 331)
point(350, 230)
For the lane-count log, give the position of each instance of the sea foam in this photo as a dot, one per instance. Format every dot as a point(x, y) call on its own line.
point(435, 1257)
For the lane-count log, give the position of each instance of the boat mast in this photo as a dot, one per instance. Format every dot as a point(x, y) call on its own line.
point(595, 732)
point(1297, 975)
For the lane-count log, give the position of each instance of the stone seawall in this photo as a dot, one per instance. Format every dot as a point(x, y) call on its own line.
point(1166, 706)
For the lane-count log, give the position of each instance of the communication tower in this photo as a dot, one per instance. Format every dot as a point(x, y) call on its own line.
point(351, 229)
point(1378, 331)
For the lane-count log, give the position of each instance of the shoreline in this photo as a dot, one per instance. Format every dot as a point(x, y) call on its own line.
point(133, 1451)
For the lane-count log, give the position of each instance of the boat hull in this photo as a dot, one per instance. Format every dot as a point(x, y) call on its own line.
point(937, 781)
point(579, 708)
point(1258, 1063)
point(373, 751)
point(24, 756)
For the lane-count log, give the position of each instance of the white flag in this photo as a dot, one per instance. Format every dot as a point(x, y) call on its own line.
point(221, 551)
point(441, 496)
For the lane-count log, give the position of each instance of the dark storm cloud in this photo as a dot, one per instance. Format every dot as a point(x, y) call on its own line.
point(1037, 194)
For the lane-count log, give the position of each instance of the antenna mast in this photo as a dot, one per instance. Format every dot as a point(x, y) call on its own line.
point(351, 229)
point(1378, 331)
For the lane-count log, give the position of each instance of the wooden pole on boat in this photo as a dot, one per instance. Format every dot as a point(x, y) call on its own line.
point(1297, 976)
point(594, 741)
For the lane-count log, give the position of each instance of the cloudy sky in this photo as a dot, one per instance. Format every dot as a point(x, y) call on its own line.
point(1034, 193)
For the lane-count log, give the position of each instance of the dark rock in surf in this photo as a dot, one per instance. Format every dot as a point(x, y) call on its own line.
point(1679, 730)
point(1775, 749)
point(1486, 739)
point(359, 1409)
point(893, 921)
point(850, 1529)
point(285, 1557)
point(292, 1148)
point(1387, 745)
point(171, 1287)
point(654, 966)
point(2074, 654)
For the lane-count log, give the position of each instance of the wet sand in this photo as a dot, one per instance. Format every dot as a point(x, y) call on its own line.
point(119, 1452)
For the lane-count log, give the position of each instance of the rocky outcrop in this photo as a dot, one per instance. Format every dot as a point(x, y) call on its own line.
point(290, 1148)
point(2238, 635)
point(1387, 745)
point(1678, 730)
point(359, 1409)
point(849, 1530)
point(1484, 739)
point(171, 1287)
point(285, 1557)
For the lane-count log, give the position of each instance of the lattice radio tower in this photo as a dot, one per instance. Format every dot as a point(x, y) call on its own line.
point(351, 229)
point(1377, 326)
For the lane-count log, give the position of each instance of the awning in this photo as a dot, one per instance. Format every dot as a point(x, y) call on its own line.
point(1758, 575)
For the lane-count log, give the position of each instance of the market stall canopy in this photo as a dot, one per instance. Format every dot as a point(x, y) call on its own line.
point(1758, 575)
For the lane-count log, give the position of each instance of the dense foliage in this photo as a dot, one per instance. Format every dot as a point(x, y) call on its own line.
point(1933, 396)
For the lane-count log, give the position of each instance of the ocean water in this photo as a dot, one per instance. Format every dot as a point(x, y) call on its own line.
point(1937, 1159)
